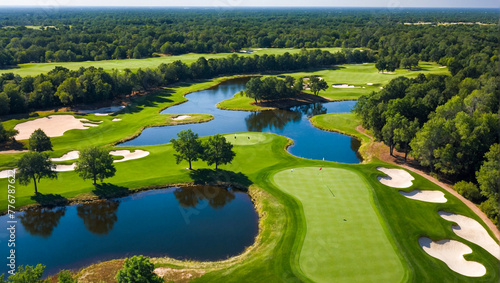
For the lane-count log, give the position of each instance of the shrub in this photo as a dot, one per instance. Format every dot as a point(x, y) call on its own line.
point(469, 190)
point(137, 269)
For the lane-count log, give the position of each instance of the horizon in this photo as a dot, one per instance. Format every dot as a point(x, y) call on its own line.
point(389, 4)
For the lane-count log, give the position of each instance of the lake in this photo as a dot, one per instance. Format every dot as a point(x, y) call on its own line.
point(309, 141)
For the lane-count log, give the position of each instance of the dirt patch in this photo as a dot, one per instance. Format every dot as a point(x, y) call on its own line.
point(178, 275)
point(301, 99)
point(101, 272)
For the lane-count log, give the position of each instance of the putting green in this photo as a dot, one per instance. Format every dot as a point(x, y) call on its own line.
point(247, 138)
point(345, 240)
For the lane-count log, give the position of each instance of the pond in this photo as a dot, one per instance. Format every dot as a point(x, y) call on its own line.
point(200, 223)
point(309, 142)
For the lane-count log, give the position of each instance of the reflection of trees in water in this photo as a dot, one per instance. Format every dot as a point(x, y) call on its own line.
point(355, 144)
point(312, 109)
point(99, 217)
point(41, 221)
point(277, 119)
point(217, 197)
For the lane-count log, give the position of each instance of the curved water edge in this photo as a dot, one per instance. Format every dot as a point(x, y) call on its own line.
point(203, 223)
point(309, 141)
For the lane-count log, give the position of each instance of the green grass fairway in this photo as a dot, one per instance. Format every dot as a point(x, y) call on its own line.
point(247, 138)
point(32, 69)
point(345, 239)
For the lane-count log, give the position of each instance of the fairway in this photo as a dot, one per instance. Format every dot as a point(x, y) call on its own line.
point(345, 240)
point(33, 69)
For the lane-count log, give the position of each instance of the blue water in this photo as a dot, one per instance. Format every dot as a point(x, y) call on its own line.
point(201, 223)
point(309, 142)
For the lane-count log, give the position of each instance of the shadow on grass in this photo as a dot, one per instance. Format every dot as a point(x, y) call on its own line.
point(149, 100)
point(107, 191)
point(210, 176)
point(50, 200)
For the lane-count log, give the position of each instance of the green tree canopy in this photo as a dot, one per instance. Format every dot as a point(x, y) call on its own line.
point(39, 141)
point(218, 151)
point(317, 84)
point(95, 163)
point(35, 166)
point(26, 274)
point(187, 146)
point(6, 135)
point(138, 269)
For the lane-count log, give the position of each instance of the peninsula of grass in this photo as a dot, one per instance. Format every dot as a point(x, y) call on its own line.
point(240, 102)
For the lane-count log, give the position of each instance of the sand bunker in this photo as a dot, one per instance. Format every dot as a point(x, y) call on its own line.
point(472, 231)
point(397, 178)
point(103, 111)
point(442, 67)
point(428, 196)
point(53, 126)
point(127, 155)
point(451, 252)
point(6, 173)
point(116, 119)
point(181, 117)
point(369, 83)
point(344, 86)
point(65, 168)
point(68, 156)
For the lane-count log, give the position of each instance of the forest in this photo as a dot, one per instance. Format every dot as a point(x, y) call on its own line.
point(112, 33)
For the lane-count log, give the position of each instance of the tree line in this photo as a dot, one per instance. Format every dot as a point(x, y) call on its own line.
point(63, 87)
point(26, 35)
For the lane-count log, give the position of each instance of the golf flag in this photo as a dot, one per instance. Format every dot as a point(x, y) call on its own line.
point(320, 168)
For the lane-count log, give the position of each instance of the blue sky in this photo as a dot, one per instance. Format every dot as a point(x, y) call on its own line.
point(240, 3)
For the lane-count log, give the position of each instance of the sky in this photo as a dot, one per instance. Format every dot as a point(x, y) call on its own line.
point(261, 3)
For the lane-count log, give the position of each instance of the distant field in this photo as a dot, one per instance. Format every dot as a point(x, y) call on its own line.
point(361, 75)
point(31, 69)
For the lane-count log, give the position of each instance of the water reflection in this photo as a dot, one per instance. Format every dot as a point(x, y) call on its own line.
point(312, 109)
point(99, 217)
point(41, 221)
point(273, 120)
point(217, 197)
point(355, 145)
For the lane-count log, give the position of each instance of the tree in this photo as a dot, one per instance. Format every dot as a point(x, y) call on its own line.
point(138, 269)
point(187, 146)
point(468, 190)
point(35, 166)
point(69, 91)
point(317, 84)
point(218, 151)
point(65, 277)
point(6, 135)
point(26, 274)
point(405, 133)
point(254, 89)
point(4, 104)
point(488, 175)
point(39, 141)
point(95, 163)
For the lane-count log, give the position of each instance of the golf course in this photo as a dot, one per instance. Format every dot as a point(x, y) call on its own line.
point(325, 213)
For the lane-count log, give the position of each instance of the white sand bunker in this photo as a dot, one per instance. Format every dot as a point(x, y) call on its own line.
point(181, 117)
point(127, 155)
point(6, 173)
point(451, 252)
point(65, 168)
point(53, 126)
point(369, 83)
point(427, 196)
point(68, 156)
point(344, 86)
point(472, 231)
point(103, 111)
point(397, 178)
point(116, 119)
